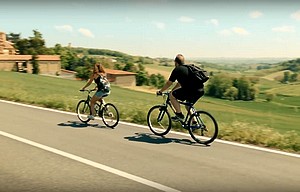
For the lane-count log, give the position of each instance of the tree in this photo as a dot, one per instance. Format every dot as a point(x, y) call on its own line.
point(13, 37)
point(82, 72)
point(218, 85)
point(58, 49)
point(153, 80)
point(33, 45)
point(129, 67)
point(160, 80)
point(231, 93)
point(68, 59)
point(246, 90)
point(286, 77)
point(141, 78)
point(294, 77)
point(23, 46)
point(83, 66)
point(35, 64)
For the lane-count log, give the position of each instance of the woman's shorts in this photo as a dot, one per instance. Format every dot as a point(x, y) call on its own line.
point(102, 94)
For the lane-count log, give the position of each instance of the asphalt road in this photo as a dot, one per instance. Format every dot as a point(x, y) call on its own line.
point(48, 150)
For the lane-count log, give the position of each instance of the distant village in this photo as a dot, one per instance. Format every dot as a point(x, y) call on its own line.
point(10, 60)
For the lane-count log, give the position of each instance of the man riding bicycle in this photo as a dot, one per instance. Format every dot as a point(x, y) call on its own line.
point(184, 90)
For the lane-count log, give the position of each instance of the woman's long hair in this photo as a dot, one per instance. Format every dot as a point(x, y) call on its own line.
point(98, 68)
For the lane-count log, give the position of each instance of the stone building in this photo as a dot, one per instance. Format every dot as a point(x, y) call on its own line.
point(10, 61)
point(122, 78)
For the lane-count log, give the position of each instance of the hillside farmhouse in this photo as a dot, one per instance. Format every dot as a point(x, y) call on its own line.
point(10, 61)
point(122, 78)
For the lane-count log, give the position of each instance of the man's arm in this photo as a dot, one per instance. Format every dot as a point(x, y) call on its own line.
point(166, 86)
point(176, 86)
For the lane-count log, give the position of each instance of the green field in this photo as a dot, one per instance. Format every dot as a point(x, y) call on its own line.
point(254, 122)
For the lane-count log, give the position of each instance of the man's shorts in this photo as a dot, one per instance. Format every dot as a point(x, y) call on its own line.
point(102, 94)
point(189, 96)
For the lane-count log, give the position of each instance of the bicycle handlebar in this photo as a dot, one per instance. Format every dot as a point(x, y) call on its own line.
point(88, 90)
point(162, 93)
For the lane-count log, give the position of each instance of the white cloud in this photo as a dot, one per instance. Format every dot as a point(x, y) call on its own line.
point(240, 31)
point(67, 28)
point(284, 29)
point(185, 19)
point(160, 25)
point(214, 22)
point(255, 14)
point(86, 32)
point(296, 15)
point(234, 30)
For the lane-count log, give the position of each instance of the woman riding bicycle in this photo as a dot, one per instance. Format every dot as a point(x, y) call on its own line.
point(103, 87)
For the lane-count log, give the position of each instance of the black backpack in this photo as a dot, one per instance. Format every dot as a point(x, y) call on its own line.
point(200, 75)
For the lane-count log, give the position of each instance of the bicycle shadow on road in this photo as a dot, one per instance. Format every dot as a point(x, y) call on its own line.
point(79, 124)
point(154, 139)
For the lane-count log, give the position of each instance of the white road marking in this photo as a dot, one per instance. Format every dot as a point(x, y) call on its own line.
point(179, 133)
point(92, 163)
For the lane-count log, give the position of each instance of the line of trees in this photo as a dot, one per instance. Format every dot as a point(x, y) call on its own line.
point(288, 77)
point(34, 46)
point(225, 87)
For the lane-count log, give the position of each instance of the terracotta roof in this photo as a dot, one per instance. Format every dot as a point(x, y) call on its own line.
point(118, 72)
point(28, 57)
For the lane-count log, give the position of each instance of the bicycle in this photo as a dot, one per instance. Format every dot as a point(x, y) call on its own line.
point(107, 111)
point(201, 125)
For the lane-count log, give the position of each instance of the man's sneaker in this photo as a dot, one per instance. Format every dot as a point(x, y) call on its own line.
point(91, 117)
point(178, 117)
point(195, 125)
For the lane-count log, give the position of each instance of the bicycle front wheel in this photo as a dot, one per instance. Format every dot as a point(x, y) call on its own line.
point(83, 109)
point(110, 115)
point(159, 120)
point(203, 127)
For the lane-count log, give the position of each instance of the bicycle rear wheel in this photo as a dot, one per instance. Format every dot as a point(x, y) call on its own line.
point(83, 109)
point(110, 115)
point(205, 129)
point(159, 120)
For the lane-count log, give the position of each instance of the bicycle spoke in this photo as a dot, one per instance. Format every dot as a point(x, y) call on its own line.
point(110, 115)
point(83, 110)
point(205, 130)
point(159, 120)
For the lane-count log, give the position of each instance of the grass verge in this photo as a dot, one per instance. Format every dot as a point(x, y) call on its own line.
point(259, 123)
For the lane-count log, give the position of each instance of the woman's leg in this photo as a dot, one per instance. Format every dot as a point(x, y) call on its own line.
point(93, 102)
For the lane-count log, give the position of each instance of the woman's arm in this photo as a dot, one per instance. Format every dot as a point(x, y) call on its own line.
point(89, 82)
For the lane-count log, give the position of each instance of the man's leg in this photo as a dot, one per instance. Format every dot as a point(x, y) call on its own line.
point(175, 103)
point(194, 97)
point(177, 94)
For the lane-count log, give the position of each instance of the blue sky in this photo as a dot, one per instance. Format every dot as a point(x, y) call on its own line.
point(162, 28)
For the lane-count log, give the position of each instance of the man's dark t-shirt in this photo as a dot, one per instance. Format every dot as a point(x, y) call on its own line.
point(181, 74)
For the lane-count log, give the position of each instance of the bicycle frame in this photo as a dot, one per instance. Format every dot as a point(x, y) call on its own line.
point(200, 124)
point(106, 111)
point(190, 109)
point(99, 103)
